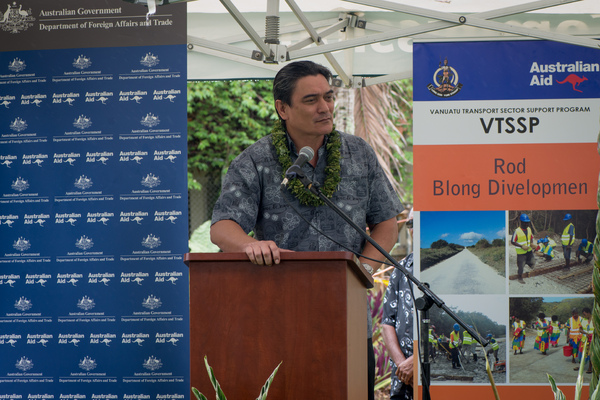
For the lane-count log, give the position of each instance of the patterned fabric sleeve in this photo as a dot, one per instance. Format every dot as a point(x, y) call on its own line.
point(390, 302)
point(241, 189)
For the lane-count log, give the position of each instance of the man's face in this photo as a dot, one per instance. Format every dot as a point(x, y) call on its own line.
point(311, 111)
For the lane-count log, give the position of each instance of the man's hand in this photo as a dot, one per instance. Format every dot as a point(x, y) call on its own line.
point(230, 237)
point(263, 252)
point(404, 372)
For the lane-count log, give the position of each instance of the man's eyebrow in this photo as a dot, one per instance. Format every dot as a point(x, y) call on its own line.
point(317, 94)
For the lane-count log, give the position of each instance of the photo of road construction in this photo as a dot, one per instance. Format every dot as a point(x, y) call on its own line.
point(457, 357)
point(547, 336)
point(550, 251)
point(463, 252)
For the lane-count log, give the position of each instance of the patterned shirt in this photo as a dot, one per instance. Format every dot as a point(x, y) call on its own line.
point(398, 312)
point(251, 197)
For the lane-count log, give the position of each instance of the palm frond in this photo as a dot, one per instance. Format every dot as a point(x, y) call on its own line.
point(378, 118)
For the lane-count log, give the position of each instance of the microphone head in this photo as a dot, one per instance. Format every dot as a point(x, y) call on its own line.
point(308, 152)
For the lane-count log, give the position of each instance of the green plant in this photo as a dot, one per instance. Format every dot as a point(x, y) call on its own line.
point(219, 392)
point(225, 117)
point(559, 395)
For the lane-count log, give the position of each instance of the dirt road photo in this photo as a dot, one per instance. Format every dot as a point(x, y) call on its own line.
point(464, 273)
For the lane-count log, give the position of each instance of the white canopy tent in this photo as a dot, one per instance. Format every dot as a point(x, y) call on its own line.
point(365, 41)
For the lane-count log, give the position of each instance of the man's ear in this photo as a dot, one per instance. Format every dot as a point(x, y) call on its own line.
point(281, 108)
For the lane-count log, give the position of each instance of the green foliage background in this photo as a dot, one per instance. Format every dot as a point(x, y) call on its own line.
point(481, 323)
point(225, 117)
point(528, 308)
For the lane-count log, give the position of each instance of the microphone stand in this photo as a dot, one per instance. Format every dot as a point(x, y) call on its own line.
point(424, 303)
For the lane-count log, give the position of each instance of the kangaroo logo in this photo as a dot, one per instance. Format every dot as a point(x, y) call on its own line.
point(574, 80)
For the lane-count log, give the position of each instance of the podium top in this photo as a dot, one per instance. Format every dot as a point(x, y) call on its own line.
point(323, 256)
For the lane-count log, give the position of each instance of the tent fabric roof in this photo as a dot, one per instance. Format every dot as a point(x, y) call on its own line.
point(469, 6)
point(221, 47)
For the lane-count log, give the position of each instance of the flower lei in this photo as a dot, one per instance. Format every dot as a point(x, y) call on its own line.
point(332, 170)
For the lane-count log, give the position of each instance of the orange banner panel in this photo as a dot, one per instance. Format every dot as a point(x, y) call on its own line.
point(560, 176)
point(486, 392)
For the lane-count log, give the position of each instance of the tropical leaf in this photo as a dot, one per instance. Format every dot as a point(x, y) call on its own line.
point(198, 395)
point(265, 389)
point(213, 380)
point(219, 392)
point(579, 383)
point(558, 394)
point(596, 394)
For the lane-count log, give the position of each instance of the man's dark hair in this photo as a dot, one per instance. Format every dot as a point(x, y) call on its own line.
point(285, 80)
point(586, 310)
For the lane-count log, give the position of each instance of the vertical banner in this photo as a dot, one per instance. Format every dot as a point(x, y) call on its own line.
point(504, 132)
point(93, 201)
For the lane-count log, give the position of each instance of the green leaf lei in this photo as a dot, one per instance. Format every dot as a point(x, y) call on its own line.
point(332, 170)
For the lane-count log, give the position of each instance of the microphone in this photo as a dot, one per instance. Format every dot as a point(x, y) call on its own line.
point(305, 155)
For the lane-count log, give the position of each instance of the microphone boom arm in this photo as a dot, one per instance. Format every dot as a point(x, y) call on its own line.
point(430, 297)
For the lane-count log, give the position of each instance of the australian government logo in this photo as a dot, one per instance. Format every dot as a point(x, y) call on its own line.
point(82, 122)
point(15, 19)
point(18, 125)
point(445, 81)
point(152, 363)
point(21, 244)
point(151, 302)
point(149, 60)
point(87, 364)
point(84, 243)
point(151, 241)
point(23, 304)
point(24, 364)
point(17, 65)
point(82, 62)
point(20, 184)
point(83, 182)
point(150, 181)
point(150, 120)
point(86, 303)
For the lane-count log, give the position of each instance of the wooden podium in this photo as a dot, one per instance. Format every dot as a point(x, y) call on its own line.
point(310, 312)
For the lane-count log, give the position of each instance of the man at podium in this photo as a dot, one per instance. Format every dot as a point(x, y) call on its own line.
point(290, 218)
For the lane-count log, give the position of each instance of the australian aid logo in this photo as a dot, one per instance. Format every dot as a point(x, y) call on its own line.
point(574, 75)
point(445, 81)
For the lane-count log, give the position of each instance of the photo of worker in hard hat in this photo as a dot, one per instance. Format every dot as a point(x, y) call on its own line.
point(460, 356)
point(463, 252)
point(550, 251)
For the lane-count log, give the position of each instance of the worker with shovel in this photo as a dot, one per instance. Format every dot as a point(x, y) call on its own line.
point(522, 239)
